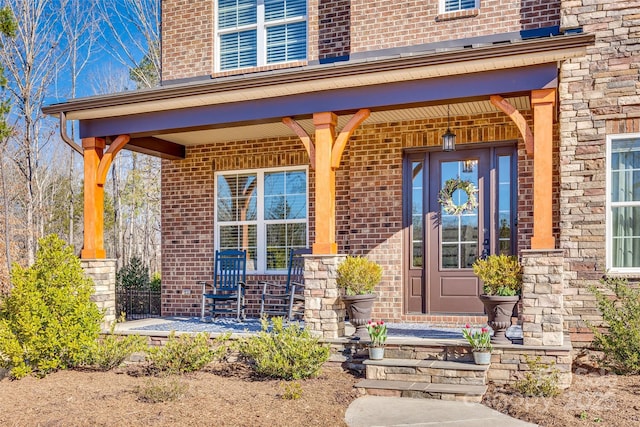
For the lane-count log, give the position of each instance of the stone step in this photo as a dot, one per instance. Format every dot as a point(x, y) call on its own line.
point(460, 392)
point(426, 371)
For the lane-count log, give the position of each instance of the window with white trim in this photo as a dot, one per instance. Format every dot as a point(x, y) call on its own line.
point(258, 32)
point(623, 202)
point(263, 211)
point(457, 5)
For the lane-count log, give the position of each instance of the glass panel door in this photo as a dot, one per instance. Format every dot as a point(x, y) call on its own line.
point(459, 233)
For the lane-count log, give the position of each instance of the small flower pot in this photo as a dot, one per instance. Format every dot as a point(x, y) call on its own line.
point(376, 353)
point(482, 357)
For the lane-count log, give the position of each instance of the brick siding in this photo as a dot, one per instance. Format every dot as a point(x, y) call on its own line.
point(344, 27)
point(368, 205)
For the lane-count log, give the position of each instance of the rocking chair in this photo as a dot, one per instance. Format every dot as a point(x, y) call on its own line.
point(226, 294)
point(274, 303)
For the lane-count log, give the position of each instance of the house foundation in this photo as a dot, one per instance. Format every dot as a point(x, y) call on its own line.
point(103, 273)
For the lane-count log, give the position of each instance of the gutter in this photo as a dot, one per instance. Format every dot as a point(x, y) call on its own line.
point(321, 71)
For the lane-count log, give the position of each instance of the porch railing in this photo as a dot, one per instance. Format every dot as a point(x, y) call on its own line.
point(137, 303)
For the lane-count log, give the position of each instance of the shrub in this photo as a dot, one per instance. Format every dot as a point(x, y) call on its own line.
point(48, 322)
point(501, 274)
point(358, 275)
point(540, 380)
point(186, 353)
point(621, 311)
point(112, 350)
point(291, 391)
point(133, 275)
point(284, 352)
point(158, 390)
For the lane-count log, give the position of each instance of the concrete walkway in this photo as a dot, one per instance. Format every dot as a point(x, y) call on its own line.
point(374, 411)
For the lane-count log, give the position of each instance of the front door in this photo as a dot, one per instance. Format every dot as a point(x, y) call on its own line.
point(442, 247)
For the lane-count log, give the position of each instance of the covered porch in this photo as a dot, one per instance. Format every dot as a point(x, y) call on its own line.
point(353, 126)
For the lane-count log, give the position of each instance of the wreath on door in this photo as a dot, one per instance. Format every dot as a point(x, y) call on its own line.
point(445, 197)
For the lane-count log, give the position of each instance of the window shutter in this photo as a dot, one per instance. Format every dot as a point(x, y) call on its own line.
point(453, 5)
point(238, 50)
point(236, 13)
point(287, 42)
point(281, 9)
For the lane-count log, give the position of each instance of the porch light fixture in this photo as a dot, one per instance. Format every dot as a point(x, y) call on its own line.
point(468, 165)
point(449, 138)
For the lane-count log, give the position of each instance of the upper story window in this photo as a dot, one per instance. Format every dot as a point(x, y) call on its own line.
point(623, 202)
point(457, 5)
point(252, 33)
point(264, 212)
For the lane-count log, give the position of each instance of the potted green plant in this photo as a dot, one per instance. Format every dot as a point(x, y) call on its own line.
point(358, 277)
point(378, 335)
point(501, 277)
point(480, 342)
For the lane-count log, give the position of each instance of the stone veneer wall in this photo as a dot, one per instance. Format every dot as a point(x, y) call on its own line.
point(103, 273)
point(542, 297)
point(324, 311)
point(599, 95)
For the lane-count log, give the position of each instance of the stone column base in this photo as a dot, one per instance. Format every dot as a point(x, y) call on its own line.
point(543, 297)
point(323, 308)
point(103, 273)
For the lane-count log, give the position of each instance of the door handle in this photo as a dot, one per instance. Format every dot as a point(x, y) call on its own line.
point(485, 249)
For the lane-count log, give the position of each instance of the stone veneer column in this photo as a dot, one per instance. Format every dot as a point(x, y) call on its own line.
point(103, 273)
point(542, 297)
point(323, 309)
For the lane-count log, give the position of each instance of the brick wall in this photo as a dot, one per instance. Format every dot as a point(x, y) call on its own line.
point(343, 27)
point(187, 38)
point(368, 205)
point(599, 95)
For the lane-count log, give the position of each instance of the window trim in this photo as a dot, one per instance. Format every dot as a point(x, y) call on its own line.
point(609, 206)
point(261, 223)
point(261, 27)
point(442, 11)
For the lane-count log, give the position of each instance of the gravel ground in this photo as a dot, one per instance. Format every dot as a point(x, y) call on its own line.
point(395, 330)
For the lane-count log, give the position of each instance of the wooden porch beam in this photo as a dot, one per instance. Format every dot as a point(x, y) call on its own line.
point(517, 118)
point(157, 147)
point(345, 134)
point(304, 137)
point(542, 102)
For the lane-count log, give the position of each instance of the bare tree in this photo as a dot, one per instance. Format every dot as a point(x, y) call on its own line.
point(79, 25)
point(30, 60)
point(132, 32)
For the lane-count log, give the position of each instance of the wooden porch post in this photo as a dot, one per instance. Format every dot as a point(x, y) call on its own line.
point(96, 166)
point(325, 124)
point(325, 158)
point(93, 200)
point(542, 102)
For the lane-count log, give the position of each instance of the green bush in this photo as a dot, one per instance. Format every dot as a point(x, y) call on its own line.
point(112, 350)
point(133, 275)
point(500, 274)
point(284, 352)
point(48, 322)
point(358, 275)
point(186, 353)
point(540, 380)
point(621, 311)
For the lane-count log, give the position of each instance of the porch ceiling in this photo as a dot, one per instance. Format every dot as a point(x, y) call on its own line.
point(278, 129)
